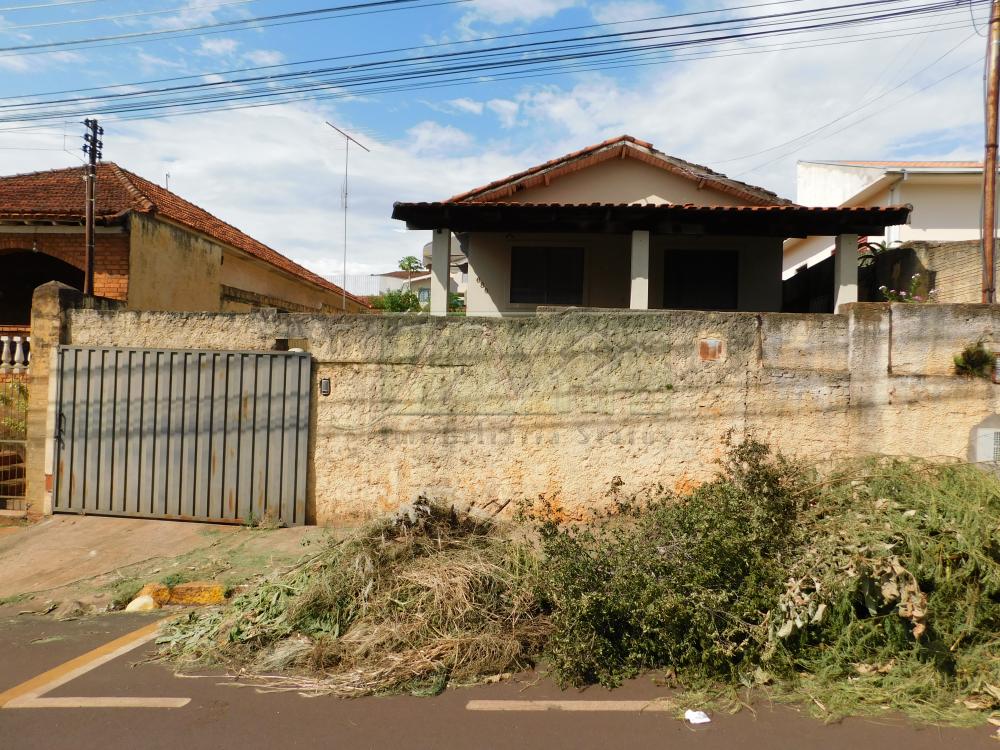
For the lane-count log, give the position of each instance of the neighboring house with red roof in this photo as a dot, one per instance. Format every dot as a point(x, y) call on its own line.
point(154, 250)
point(622, 225)
point(946, 197)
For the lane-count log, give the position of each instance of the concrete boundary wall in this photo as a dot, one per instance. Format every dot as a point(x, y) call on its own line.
point(487, 409)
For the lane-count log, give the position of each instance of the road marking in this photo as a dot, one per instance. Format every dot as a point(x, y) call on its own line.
point(29, 694)
point(513, 705)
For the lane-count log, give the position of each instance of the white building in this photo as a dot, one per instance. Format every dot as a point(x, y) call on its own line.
point(945, 195)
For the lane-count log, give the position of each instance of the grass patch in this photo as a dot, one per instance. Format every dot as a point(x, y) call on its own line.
point(123, 591)
point(15, 599)
point(874, 587)
point(174, 579)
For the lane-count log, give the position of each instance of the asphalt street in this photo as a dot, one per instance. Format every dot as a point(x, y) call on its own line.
point(220, 714)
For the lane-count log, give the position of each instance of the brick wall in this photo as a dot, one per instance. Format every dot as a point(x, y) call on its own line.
point(111, 254)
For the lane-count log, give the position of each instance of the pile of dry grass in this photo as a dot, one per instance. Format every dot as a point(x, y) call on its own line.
point(412, 602)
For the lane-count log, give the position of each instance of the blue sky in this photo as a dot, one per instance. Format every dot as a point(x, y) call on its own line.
point(910, 88)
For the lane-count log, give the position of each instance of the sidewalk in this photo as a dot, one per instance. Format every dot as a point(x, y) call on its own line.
point(79, 557)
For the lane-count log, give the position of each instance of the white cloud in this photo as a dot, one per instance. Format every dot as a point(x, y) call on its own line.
point(277, 173)
point(505, 110)
point(715, 110)
point(431, 138)
point(619, 11)
point(264, 57)
point(500, 12)
point(222, 46)
point(464, 104)
point(17, 63)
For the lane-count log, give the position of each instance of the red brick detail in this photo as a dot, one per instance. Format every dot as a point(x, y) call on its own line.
point(111, 253)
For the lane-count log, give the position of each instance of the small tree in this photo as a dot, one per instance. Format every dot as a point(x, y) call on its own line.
point(411, 264)
point(396, 300)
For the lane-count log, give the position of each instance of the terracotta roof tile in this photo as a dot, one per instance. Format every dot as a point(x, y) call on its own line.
point(59, 196)
point(624, 146)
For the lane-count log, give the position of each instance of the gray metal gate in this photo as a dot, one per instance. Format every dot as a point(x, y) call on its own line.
point(182, 434)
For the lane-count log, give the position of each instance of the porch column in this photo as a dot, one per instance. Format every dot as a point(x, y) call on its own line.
point(440, 262)
point(639, 297)
point(845, 270)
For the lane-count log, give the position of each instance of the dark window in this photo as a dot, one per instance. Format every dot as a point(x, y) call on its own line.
point(546, 275)
point(701, 280)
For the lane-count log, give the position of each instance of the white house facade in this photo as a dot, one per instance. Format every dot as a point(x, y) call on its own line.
point(945, 197)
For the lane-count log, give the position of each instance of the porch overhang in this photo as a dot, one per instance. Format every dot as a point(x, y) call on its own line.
point(612, 218)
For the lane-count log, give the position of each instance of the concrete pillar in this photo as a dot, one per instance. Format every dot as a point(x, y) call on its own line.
point(845, 270)
point(639, 296)
point(440, 267)
point(47, 329)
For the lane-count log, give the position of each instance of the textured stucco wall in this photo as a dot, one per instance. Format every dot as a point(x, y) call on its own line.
point(172, 268)
point(498, 409)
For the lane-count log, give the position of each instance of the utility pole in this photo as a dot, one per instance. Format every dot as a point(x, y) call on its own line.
point(348, 140)
point(990, 160)
point(92, 148)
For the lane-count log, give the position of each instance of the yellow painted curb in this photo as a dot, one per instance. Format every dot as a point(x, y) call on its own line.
point(155, 591)
point(197, 593)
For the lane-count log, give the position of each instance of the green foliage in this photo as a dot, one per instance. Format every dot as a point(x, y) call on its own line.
point(123, 591)
point(975, 361)
point(396, 300)
point(870, 252)
point(684, 582)
point(173, 579)
point(13, 410)
point(903, 557)
point(456, 303)
point(411, 264)
point(910, 295)
point(874, 586)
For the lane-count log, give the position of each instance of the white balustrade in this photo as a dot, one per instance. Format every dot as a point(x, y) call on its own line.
point(15, 353)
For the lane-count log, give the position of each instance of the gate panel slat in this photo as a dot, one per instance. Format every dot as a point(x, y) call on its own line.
point(106, 430)
point(120, 437)
point(175, 434)
point(231, 467)
point(182, 434)
point(260, 436)
point(248, 387)
point(217, 437)
point(66, 411)
point(157, 383)
point(189, 406)
point(203, 435)
point(276, 426)
point(290, 418)
point(301, 463)
point(137, 407)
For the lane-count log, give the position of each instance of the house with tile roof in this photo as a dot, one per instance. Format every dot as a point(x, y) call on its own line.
point(623, 225)
point(154, 250)
point(945, 197)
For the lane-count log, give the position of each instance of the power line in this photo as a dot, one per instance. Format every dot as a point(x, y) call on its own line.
point(277, 19)
point(421, 67)
point(123, 16)
point(12, 8)
point(397, 50)
point(479, 79)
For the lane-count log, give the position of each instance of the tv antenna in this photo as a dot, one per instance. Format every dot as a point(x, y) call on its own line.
point(348, 140)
